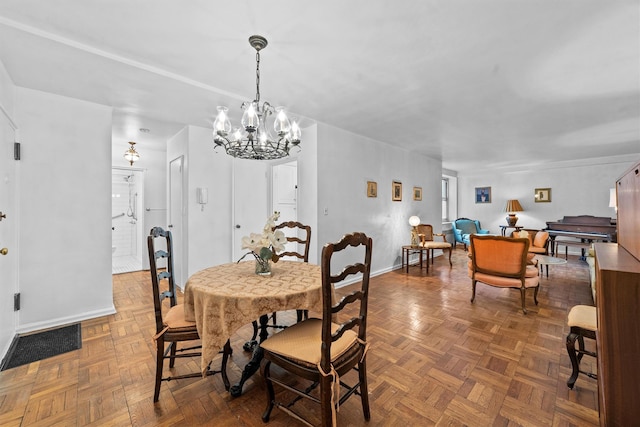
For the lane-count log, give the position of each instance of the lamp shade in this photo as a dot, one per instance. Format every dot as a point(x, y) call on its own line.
point(414, 221)
point(612, 198)
point(513, 206)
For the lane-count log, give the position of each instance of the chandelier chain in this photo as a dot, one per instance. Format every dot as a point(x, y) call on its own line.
point(257, 76)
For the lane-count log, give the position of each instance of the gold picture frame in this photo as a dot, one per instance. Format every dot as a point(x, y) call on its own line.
point(396, 191)
point(542, 195)
point(417, 193)
point(372, 189)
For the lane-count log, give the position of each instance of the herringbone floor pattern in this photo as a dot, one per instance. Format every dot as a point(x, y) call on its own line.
point(435, 359)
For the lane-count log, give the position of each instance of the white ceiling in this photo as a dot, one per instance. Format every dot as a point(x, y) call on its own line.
point(493, 82)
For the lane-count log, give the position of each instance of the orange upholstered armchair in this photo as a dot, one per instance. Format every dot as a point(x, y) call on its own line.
point(502, 262)
point(538, 240)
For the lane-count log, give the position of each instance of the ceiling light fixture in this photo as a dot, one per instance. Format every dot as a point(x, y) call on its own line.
point(131, 155)
point(256, 142)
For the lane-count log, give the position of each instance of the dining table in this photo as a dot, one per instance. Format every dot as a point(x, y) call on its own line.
point(224, 298)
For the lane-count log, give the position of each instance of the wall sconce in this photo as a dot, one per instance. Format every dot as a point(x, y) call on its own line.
point(414, 221)
point(131, 155)
point(202, 197)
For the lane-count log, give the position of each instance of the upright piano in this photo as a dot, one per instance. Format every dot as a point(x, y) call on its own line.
point(582, 229)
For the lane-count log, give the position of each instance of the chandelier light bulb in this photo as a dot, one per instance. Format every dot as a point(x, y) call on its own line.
point(250, 119)
point(222, 125)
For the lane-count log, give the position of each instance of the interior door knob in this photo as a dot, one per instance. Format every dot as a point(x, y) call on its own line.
point(2, 216)
point(237, 225)
point(4, 251)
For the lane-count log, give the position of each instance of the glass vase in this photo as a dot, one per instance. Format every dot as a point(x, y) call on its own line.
point(263, 267)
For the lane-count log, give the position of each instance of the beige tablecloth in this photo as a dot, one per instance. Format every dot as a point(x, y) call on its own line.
point(224, 298)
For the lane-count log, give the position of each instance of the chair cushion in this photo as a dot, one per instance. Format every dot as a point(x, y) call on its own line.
point(537, 250)
point(436, 245)
point(531, 271)
point(301, 342)
point(583, 316)
point(541, 239)
point(174, 319)
point(466, 226)
point(508, 282)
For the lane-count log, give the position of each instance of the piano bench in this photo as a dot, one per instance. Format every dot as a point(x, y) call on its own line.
point(567, 243)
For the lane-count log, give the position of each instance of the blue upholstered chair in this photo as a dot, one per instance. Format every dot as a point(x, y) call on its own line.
point(465, 227)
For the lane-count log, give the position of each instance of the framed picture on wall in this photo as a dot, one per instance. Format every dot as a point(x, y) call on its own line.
point(417, 193)
point(483, 194)
point(372, 189)
point(396, 191)
point(542, 195)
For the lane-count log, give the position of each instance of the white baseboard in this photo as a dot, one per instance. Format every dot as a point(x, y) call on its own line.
point(52, 323)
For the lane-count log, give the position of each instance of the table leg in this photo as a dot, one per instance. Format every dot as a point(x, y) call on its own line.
point(254, 364)
point(427, 251)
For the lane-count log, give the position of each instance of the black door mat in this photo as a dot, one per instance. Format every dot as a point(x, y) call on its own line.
point(33, 347)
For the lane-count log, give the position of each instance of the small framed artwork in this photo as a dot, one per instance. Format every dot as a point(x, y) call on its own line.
point(417, 193)
point(396, 191)
point(542, 195)
point(372, 189)
point(483, 194)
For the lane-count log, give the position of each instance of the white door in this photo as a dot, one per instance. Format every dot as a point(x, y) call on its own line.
point(250, 201)
point(8, 229)
point(285, 190)
point(176, 218)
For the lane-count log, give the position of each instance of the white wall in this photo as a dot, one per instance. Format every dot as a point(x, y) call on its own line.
point(8, 226)
point(346, 162)
point(308, 210)
point(577, 188)
point(65, 208)
point(210, 230)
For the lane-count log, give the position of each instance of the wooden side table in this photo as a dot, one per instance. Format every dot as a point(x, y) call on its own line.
point(407, 250)
point(503, 228)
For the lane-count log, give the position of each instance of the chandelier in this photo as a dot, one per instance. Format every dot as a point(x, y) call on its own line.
point(131, 155)
point(253, 140)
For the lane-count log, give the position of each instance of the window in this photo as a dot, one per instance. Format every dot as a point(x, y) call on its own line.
point(445, 199)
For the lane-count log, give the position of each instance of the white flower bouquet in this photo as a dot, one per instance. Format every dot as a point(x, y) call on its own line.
point(264, 245)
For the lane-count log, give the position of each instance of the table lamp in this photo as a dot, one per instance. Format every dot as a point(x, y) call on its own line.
point(613, 203)
point(513, 206)
point(414, 221)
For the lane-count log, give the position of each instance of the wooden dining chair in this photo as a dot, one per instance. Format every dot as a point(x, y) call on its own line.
point(299, 235)
point(322, 351)
point(171, 326)
point(583, 324)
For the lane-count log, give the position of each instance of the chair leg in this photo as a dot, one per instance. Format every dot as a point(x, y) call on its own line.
point(325, 400)
point(172, 358)
point(473, 290)
point(522, 299)
point(364, 389)
point(302, 315)
point(223, 367)
point(575, 364)
point(159, 363)
point(535, 294)
point(271, 395)
point(450, 263)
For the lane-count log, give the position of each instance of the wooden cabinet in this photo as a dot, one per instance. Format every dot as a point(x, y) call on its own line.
point(618, 308)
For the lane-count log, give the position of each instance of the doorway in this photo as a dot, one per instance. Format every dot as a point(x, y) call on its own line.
point(126, 220)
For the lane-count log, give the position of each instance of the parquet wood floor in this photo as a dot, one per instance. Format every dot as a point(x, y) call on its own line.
point(435, 359)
